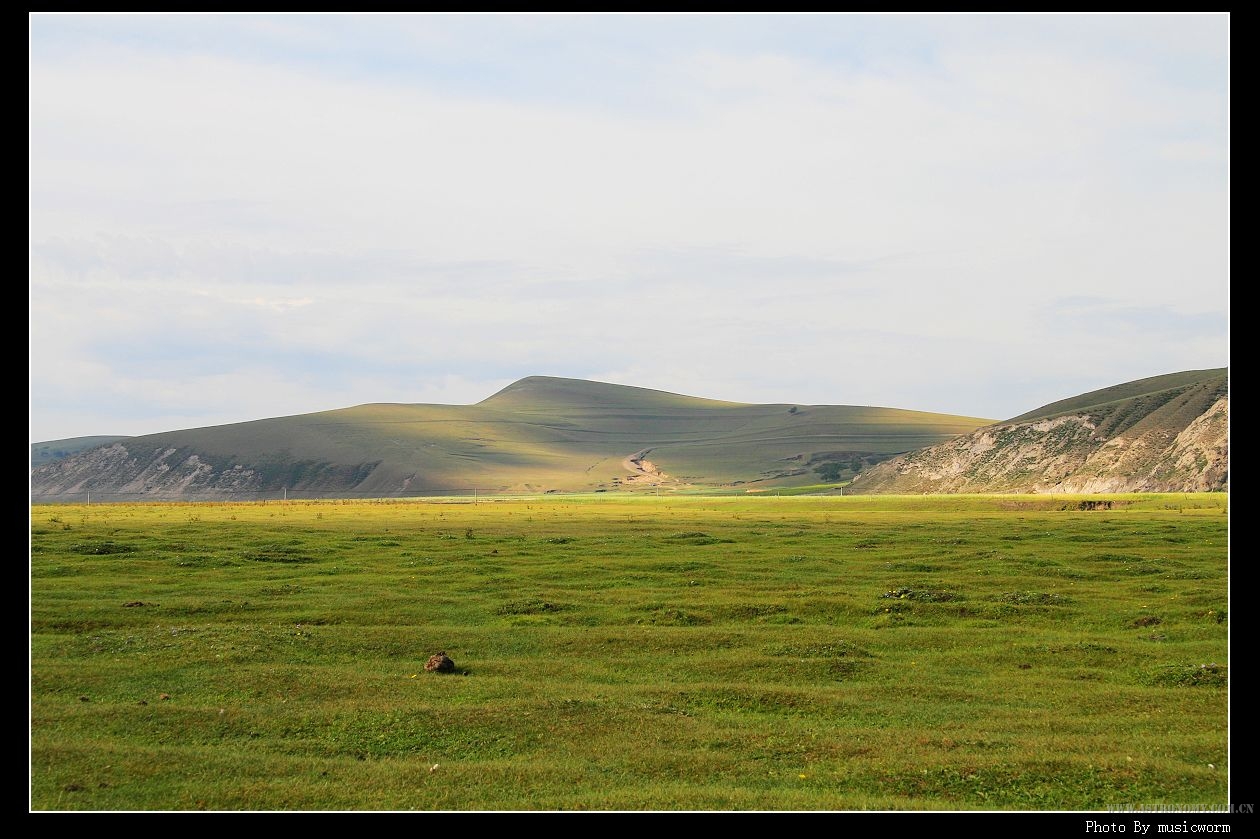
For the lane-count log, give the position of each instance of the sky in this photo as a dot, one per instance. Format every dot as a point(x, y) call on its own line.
point(238, 216)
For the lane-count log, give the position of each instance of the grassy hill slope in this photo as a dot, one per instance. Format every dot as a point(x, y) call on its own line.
point(539, 434)
point(50, 450)
point(1149, 388)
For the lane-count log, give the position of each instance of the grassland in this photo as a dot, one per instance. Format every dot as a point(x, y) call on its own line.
point(632, 653)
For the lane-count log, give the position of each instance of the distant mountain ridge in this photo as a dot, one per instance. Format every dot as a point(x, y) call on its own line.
point(545, 434)
point(539, 434)
point(1160, 434)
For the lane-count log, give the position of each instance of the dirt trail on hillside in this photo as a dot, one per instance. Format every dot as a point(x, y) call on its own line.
point(644, 472)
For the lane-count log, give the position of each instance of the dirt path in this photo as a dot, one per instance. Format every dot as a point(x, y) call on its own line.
point(644, 472)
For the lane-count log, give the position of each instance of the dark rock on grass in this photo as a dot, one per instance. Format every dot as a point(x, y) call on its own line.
point(440, 663)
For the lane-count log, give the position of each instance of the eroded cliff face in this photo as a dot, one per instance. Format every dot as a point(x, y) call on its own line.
point(136, 471)
point(141, 472)
point(1177, 442)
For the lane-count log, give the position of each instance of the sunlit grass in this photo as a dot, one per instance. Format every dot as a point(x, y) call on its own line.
point(631, 653)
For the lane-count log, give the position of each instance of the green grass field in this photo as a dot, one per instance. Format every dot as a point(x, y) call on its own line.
point(632, 653)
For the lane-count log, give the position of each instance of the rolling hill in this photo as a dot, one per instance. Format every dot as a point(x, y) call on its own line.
point(1161, 434)
point(539, 434)
point(51, 450)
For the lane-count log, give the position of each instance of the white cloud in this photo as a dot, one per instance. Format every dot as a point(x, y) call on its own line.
point(808, 210)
